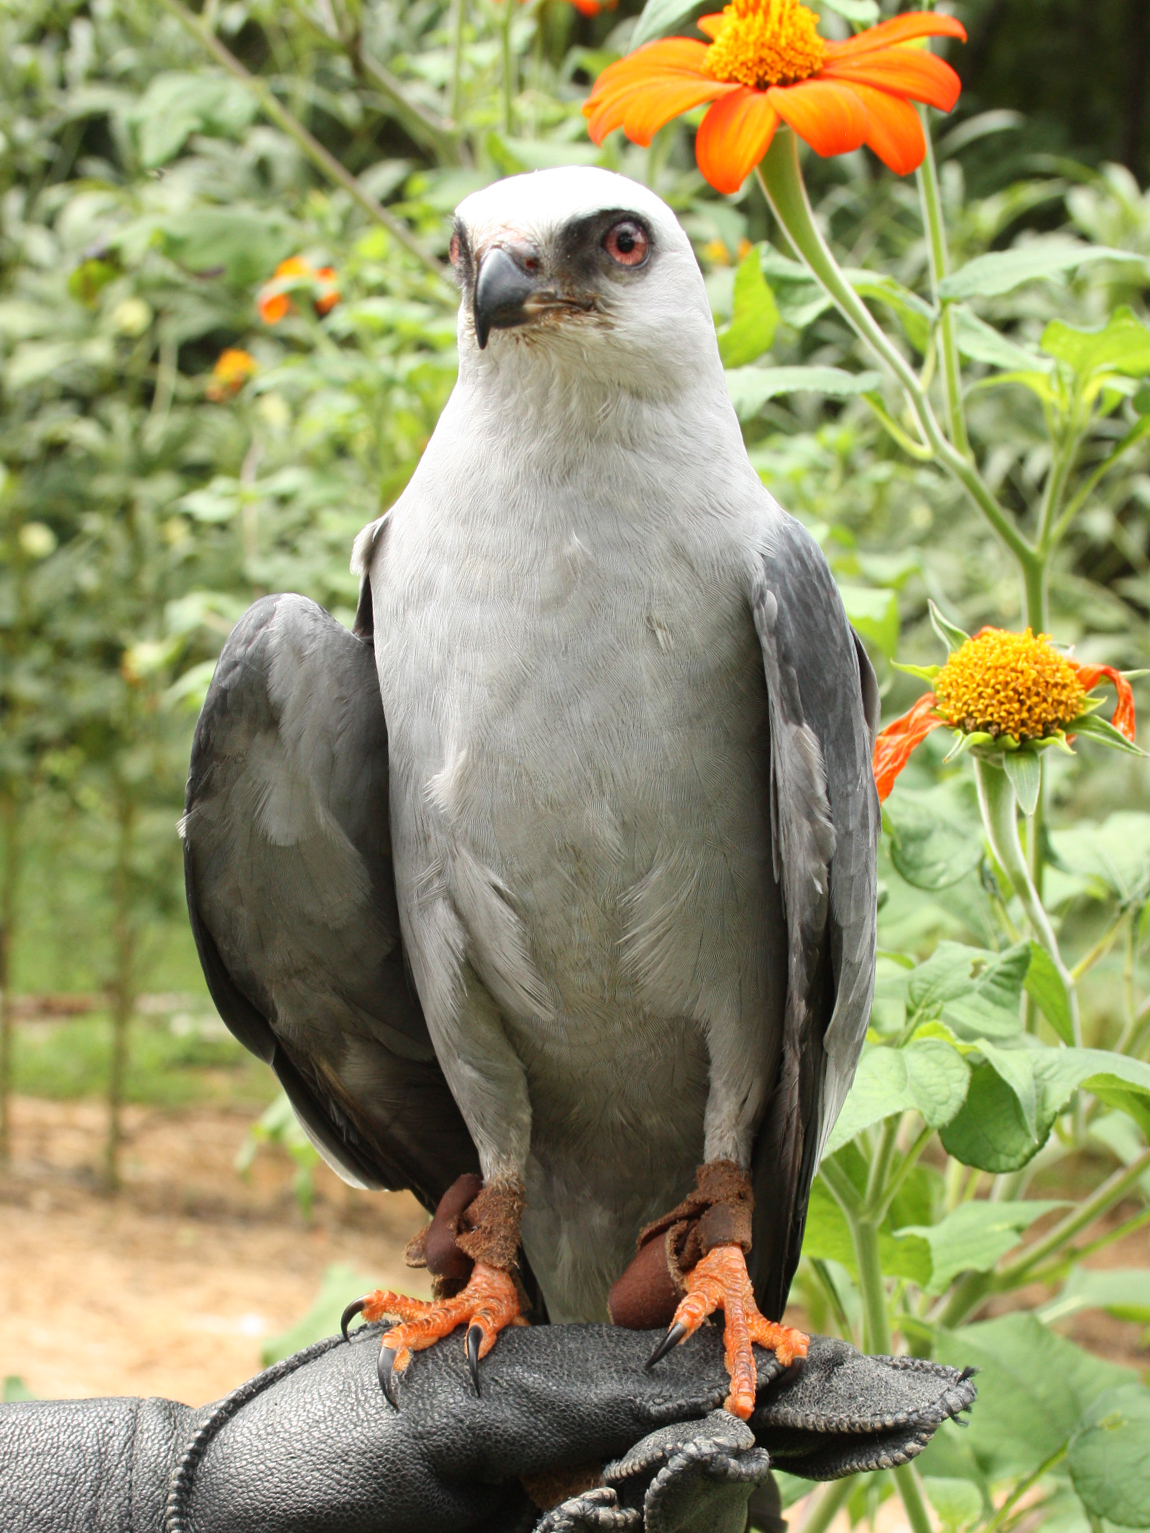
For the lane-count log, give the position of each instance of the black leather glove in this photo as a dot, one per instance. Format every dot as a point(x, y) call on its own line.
point(570, 1419)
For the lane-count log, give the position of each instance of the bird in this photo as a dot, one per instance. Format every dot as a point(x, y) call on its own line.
point(548, 890)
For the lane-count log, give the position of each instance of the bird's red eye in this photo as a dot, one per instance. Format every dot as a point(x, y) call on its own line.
point(453, 250)
point(627, 243)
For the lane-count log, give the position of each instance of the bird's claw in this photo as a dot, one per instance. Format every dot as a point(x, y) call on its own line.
point(720, 1281)
point(356, 1307)
point(487, 1304)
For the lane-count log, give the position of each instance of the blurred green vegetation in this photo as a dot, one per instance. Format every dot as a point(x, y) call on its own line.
point(148, 192)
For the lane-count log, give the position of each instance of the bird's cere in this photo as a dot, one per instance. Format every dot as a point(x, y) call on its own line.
point(760, 45)
point(1003, 692)
point(1004, 683)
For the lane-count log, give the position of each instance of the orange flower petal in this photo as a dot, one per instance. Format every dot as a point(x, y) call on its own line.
point(294, 266)
point(895, 130)
point(650, 86)
point(650, 108)
point(733, 137)
point(273, 308)
point(899, 29)
point(903, 71)
point(1091, 675)
point(828, 115)
point(894, 744)
point(709, 25)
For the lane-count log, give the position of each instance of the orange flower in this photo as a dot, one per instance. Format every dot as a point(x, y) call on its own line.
point(590, 7)
point(232, 370)
point(998, 684)
point(767, 64)
point(273, 301)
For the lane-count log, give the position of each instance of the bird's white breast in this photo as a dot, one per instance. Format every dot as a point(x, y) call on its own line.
point(576, 719)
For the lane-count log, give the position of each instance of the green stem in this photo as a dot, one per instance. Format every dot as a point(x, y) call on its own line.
point(828, 1504)
point(782, 182)
point(877, 1340)
point(1140, 429)
point(458, 21)
point(936, 245)
point(880, 1165)
point(1000, 818)
point(1099, 1201)
point(909, 1161)
point(508, 71)
point(276, 112)
point(912, 448)
point(1019, 1491)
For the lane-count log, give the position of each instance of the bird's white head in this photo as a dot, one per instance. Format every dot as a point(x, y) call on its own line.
point(585, 272)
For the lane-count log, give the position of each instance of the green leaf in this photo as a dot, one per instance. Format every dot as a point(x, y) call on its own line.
point(177, 104)
point(983, 343)
point(1109, 1457)
point(1024, 770)
point(1115, 855)
point(1121, 346)
point(1044, 983)
point(974, 1236)
point(1122, 1291)
point(990, 1131)
point(755, 317)
point(751, 387)
point(914, 314)
point(1016, 1068)
point(950, 634)
point(14, 1390)
point(245, 246)
point(1092, 727)
point(929, 848)
point(1003, 270)
point(1033, 1389)
point(659, 17)
point(827, 1237)
point(1141, 401)
point(927, 1075)
point(957, 1502)
point(974, 991)
point(873, 614)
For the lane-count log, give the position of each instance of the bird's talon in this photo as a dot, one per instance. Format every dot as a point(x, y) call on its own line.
point(356, 1307)
point(676, 1333)
point(474, 1340)
point(720, 1281)
point(384, 1367)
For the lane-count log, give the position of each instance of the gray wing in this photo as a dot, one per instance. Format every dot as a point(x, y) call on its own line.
point(287, 859)
point(823, 710)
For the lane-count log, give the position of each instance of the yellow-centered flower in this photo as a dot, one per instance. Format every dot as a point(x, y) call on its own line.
point(1005, 683)
point(999, 684)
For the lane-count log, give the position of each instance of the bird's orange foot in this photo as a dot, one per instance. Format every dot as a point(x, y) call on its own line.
point(487, 1304)
point(720, 1281)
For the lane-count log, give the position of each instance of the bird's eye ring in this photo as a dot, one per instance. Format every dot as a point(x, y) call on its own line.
point(627, 243)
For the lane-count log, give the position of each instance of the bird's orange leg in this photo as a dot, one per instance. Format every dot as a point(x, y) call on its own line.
point(487, 1304)
point(720, 1281)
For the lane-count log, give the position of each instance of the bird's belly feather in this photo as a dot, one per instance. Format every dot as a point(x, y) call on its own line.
point(590, 797)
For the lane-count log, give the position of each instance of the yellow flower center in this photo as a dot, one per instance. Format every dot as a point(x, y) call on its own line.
point(1009, 683)
point(765, 42)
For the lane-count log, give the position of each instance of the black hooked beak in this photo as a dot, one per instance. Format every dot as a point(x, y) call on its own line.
point(502, 290)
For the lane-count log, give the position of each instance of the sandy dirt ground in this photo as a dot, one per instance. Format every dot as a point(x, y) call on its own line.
point(169, 1288)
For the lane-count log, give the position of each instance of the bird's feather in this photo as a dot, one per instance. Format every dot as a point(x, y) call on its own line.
point(292, 898)
point(824, 822)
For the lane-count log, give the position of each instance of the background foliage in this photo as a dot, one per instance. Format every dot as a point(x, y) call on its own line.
point(155, 168)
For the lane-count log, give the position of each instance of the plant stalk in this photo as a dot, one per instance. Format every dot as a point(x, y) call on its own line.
point(327, 163)
point(936, 245)
point(1000, 819)
point(828, 1503)
point(10, 821)
point(782, 182)
point(123, 996)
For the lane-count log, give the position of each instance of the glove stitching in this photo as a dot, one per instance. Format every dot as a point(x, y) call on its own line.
point(180, 1484)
